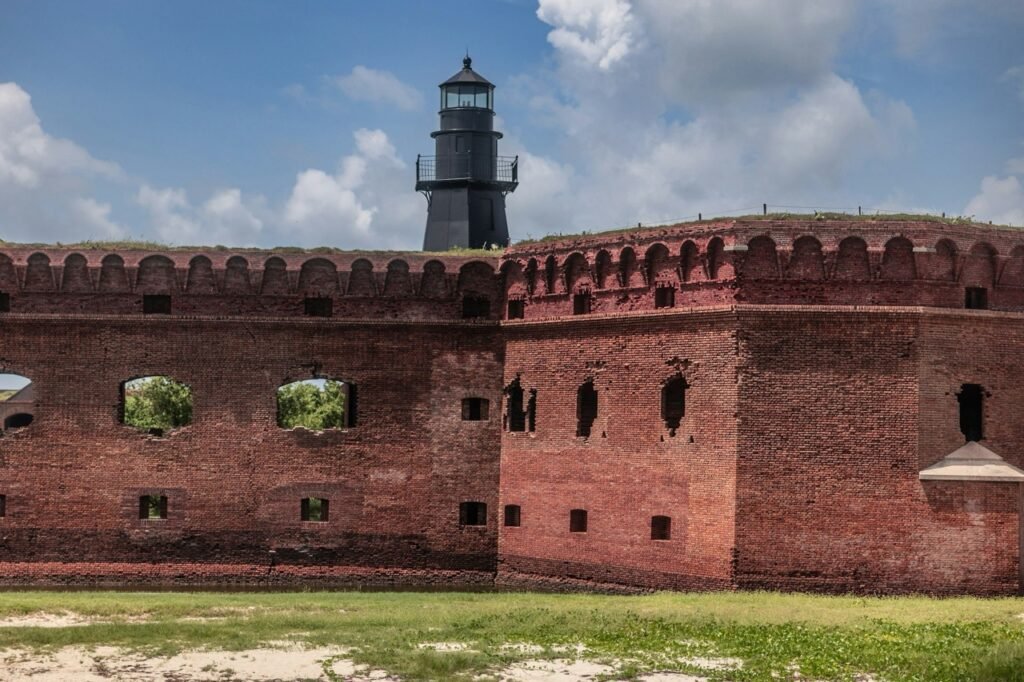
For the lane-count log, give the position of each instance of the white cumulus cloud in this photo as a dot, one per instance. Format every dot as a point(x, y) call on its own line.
point(667, 108)
point(225, 218)
point(599, 32)
point(46, 181)
point(365, 203)
point(372, 85)
point(1000, 200)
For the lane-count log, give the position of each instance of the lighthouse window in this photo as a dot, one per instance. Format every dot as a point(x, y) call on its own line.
point(456, 96)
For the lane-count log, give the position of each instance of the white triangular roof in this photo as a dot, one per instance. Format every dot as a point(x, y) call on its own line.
point(972, 462)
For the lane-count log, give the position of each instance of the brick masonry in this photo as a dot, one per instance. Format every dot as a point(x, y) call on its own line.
point(821, 360)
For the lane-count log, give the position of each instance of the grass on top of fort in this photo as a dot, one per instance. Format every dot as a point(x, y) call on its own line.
point(459, 635)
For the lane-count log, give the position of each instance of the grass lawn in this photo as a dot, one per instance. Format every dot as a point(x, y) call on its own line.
point(824, 638)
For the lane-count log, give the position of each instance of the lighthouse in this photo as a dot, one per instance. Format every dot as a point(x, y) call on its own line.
point(466, 182)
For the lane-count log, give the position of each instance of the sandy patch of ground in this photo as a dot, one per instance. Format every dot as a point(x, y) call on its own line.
point(444, 646)
point(565, 670)
point(106, 664)
point(64, 619)
point(714, 663)
point(284, 661)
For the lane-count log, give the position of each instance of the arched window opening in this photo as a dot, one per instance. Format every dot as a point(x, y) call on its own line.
point(17, 421)
point(661, 528)
point(673, 403)
point(472, 514)
point(316, 404)
point(314, 509)
point(156, 404)
point(971, 398)
point(17, 401)
point(586, 408)
point(550, 274)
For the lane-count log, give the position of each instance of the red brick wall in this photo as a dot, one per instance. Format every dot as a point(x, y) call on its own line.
point(630, 468)
point(839, 411)
point(813, 404)
point(233, 478)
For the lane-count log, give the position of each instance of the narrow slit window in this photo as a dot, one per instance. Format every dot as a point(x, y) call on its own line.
point(156, 304)
point(673, 403)
point(475, 409)
point(586, 409)
point(578, 521)
point(515, 415)
point(475, 307)
point(318, 307)
point(5, 302)
point(976, 298)
point(581, 304)
point(661, 528)
point(531, 411)
point(512, 515)
point(971, 398)
point(473, 514)
point(516, 309)
point(153, 507)
point(3, 506)
point(314, 509)
point(664, 297)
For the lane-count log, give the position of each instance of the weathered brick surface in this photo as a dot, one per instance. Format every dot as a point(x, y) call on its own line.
point(233, 478)
point(822, 360)
point(630, 468)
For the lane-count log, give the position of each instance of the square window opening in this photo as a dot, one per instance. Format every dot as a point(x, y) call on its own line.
point(314, 509)
point(661, 528)
point(512, 515)
point(318, 306)
point(578, 521)
point(156, 304)
point(976, 298)
point(152, 507)
point(475, 307)
point(664, 297)
point(581, 304)
point(473, 514)
point(475, 409)
point(516, 309)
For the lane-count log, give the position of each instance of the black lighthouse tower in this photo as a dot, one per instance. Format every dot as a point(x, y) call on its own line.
point(466, 182)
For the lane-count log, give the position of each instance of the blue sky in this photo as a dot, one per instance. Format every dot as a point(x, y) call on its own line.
point(267, 123)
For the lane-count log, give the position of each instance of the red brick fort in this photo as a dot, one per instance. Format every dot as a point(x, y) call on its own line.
point(832, 405)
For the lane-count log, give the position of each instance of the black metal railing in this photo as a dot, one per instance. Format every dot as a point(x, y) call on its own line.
point(503, 170)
